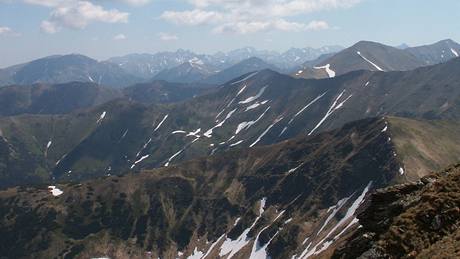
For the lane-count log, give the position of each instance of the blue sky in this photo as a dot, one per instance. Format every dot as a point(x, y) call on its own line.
point(101, 28)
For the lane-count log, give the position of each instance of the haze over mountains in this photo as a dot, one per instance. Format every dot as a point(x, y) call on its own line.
point(246, 154)
point(185, 66)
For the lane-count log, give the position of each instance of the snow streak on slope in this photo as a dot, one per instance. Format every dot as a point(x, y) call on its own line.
point(231, 247)
point(124, 135)
point(140, 160)
point(237, 143)
point(196, 254)
point(212, 246)
point(299, 112)
point(255, 105)
point(241, 90)
point(259, 252)
point(454, 52)
point(101, 117)
point(179, 152)
point(253, 98)
point(306, 106)
point(246, 78)
point(248, 124)
point(266, 131)
point(327, 241)
point(331, 110)
point(208, 133)
point(368, 61)
point(144, 147)
point(161, 122)
point(329, 71)
point(334, 209)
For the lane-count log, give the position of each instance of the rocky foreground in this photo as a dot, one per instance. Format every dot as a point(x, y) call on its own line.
point(417, 220)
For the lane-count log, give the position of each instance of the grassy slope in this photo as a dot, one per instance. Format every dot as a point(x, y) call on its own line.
point(425, 146)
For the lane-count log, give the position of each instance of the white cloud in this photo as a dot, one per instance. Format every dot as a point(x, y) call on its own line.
point(5, 30)
point(49, 27)
point(317, 25)
point(54, 3)
point(249, 16)
point(193, 17)
point(279, 24)
point(275, 7)
point(167, 36)
point(48, 3)
point(136, 2)
point(119, 37)
point(78, 14)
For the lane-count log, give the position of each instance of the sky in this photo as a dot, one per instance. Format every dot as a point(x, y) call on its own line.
point(31, 29)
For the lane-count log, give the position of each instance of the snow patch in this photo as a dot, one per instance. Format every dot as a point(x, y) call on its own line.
point(161, 122)
point(323, 244)
point(194, 133)
point(331, 110)
point(208, 133)
point(237, 143)
point(101, 117)
point(54, 190)
point(139, 160)
point(329, 71)
point(196, 254)
point(253, 98)
point(401, 171)
point(179, 152)
point(454, 52)
point(370, 62)
point(248, 124)
point(294, 169)
point(124, 134)
point(255, 105)
point(212, 246)
point(244, 79)
point(305, 107)
point(266, 131)
point(231, 247)
point(241, 90)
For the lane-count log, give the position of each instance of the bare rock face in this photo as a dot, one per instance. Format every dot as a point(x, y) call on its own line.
point(411, 220)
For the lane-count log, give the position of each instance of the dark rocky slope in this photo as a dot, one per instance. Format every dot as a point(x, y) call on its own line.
point(416, 220)
point(296, 197)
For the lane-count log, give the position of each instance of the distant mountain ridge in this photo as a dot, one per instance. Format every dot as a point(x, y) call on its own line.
point(64, 69)
point(373, 56)
point(149, 65)
point(74, 96)
point(185, 66)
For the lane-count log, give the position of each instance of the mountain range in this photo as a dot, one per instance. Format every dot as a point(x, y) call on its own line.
point(187, 67)
point(256, 109)
point(233, 155)
point(66, 68)
point(373, 56)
